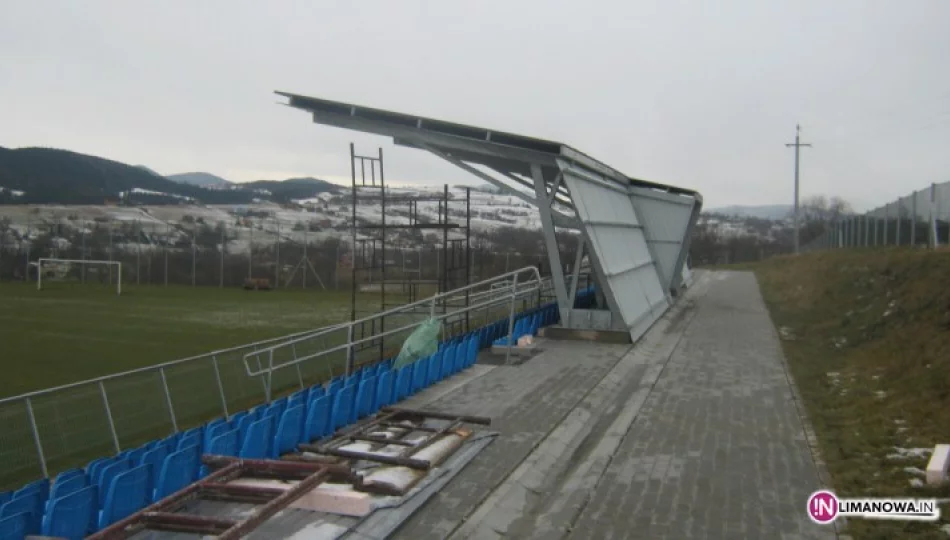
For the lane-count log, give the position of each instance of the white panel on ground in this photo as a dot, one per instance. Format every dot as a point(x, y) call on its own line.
point(610, 220)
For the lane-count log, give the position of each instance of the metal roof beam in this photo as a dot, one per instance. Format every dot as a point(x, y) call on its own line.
point(560, 219)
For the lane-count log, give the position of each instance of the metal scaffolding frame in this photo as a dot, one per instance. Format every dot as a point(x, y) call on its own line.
point(636, 233)
point(371, 252)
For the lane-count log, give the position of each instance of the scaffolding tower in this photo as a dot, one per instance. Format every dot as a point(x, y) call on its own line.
point(373, 248)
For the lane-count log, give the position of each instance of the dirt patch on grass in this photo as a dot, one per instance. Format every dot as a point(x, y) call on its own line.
point(867, 337)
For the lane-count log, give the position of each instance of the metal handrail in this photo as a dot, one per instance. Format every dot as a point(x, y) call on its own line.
point(517, 290)
point(163, 365)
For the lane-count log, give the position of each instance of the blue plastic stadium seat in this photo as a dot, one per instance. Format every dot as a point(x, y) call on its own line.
point(335, 385)
point(127, 494)
point(154, 459)
point(211, 433)
point(178, 470)
point(188, 440)
point(342, 404)
point(70, 484)
point(366, 397)
point(403, 376)
point(70, 516)
point(40, 486)
point(353, 379)
point(5, 496)
point(65, 475)
point(448, 359)
point(384, 390)
point(135, 455)
point(420, 374)
point(434, 370)
point(473, 348)
point(314, 392)
point(287, 435)
point(15, 526)
point(109, 472)
point(257, 439)
point(297, 399)
point(381, 368)
point(243, 424)
point(29, 503)
point(353, 404)
point(317, 424)
point(225, 444)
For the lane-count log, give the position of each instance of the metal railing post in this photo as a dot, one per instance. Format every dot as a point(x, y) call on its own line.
point(168, 401)
point(270, 375)
point(293, 348)
point(105, 402)
point(217, 375)
point(36, 437)
point(511, 317)
point(349, 351)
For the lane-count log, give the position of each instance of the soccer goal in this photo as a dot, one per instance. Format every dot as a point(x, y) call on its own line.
point(58, 269)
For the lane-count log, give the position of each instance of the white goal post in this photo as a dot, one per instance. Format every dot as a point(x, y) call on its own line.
point(39, 270)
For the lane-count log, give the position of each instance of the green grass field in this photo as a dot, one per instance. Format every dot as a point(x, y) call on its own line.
point(72, 332)
point(67, 333)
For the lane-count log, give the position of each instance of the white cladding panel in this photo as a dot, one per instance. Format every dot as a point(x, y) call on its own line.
point(617, 242)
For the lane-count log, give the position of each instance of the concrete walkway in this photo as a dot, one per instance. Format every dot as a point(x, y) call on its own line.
point(692, 433)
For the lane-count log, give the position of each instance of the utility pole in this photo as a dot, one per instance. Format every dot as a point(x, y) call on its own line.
point(797, 144)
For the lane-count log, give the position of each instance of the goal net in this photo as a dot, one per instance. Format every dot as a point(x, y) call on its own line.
point(50, 270)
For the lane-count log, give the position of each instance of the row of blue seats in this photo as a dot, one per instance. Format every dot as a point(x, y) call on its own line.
point(82, 501)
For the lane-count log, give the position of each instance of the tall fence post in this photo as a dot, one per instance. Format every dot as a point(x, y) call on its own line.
point(217, 375)
point(897, 233)
point(224, 240)
point(36, 437)
point(913, 220)
point(168, 401)
point(867, 230)
point(105, 403)
point(933, 217)
point(887, 221)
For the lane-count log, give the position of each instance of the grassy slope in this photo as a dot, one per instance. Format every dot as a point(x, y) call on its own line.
point(869, 347)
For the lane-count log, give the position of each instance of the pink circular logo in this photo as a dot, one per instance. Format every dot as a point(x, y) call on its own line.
point(822, 507)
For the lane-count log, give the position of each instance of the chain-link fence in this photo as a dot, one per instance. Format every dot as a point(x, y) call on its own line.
point(921, 218)
point(196, 251)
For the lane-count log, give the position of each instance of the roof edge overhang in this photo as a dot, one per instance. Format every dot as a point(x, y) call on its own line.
point(420, 132)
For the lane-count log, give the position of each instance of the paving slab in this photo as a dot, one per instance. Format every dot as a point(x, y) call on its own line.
point(526, 402)
point(719, 449)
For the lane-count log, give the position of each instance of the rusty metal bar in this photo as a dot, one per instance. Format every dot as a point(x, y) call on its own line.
point(417, 464)
point(480, 420)
point(271, 467)
point(239, 493)
point(121, 529)
point(267, 511)
point(164, 521)
point(428, 441)
point(411, 428)
point(381, 440)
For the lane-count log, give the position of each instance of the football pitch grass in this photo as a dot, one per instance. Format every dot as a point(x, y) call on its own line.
point(70, 332)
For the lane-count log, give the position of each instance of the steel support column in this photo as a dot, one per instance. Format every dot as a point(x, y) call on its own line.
point(550, 239)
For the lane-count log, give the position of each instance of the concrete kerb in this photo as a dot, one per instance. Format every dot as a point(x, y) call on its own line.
point(824, 477)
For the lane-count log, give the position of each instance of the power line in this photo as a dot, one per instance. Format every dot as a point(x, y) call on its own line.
point(798, 145)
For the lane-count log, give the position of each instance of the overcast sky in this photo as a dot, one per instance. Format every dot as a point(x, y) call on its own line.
point(701, 94)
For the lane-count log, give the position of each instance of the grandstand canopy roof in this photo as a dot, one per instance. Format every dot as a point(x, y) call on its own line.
point(635, 232)
point(467, 142)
